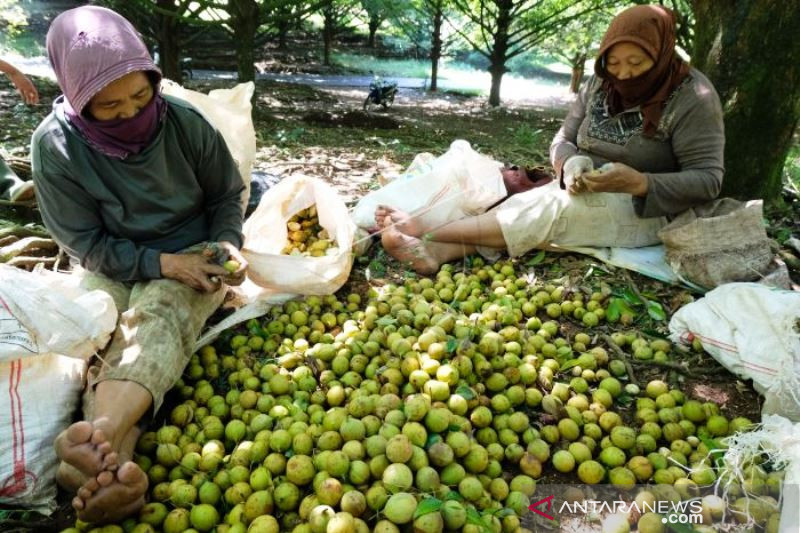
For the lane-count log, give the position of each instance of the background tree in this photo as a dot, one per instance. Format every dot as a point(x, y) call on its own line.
point(252, 23)
point(336, 14)
point(377, 11)
point(504, 29)
point(577, 41)
point(171, 25)
point(749, 49)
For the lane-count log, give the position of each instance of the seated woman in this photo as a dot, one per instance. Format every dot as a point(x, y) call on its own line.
point(646, 111)
point(137, 189)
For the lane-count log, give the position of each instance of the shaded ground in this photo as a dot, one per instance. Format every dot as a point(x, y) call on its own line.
point(322, 133)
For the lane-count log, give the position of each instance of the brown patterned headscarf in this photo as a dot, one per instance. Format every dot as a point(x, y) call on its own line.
point(651, 27)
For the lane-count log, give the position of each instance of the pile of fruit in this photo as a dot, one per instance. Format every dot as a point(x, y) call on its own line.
point(433, 406)
point(306, 237)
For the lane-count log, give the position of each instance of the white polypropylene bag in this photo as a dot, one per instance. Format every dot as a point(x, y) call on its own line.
point(230, 112)
point(47, 312)
point(754, 332)
point(461, 182)
point(265, 235)
point(40, 395)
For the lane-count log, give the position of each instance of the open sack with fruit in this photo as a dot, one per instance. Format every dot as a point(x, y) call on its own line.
point(299, 239)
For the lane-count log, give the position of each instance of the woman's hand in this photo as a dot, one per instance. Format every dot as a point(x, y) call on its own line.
point(619, 178)
point(27, 90)
point(237, 276)
point(194, 270)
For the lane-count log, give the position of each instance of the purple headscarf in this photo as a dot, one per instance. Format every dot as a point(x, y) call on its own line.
point(90, 47)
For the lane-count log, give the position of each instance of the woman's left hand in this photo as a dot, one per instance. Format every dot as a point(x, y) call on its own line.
point(619, 178)
point(237, 276)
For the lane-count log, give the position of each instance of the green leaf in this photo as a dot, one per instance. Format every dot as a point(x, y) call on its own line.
point(717, 455)
point(677, 527)
point(452, 345)
point(473, 517)
point(454, 427)
point(614, 310)
point(466, 392)
point(569, 364)
point(453, 495)
point(427, 506)
point(536, 259)
point(655, 310)
point(624, 399)
point(504, 512)
point(631, 297)
point(386, 321)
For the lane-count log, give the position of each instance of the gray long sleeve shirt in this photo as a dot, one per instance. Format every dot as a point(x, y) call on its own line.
point(116, 216)
point(683, 162)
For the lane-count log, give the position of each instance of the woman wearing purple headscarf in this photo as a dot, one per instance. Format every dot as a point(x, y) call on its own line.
point(142, 192)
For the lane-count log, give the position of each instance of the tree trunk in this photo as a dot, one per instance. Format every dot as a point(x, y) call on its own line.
point(499, 55)
point(436, 46)
point(168, 45)
point(245, 22)
point(327, 35)
point(373, 25)
point(283, 34)
point(749, 50)
point(578, 64)
point(327, 42)
point(497, 79)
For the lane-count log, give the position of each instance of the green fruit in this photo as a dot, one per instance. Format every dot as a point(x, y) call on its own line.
point(397, 478)
point(177, 521)
point(204, 517)
point(453, 514)
point(400, 508)
point(399, 449)
point(623, 437)
point(564, 461)
point(717, 425)
point(591, 472)
point(342, 522)
point(612, 457)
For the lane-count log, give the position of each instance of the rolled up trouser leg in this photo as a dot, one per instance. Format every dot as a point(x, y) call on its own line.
point(155, 336)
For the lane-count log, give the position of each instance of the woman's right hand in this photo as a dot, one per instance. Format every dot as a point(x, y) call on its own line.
point(194, 270)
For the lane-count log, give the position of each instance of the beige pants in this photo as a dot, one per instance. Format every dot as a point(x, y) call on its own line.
point(549, 216)
point(159, 322)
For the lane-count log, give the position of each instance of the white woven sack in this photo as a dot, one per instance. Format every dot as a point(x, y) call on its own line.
point(265, 235)
point(459, 183)
point(230, 112)
point(754, 332)
point(40, 396)
point(47, 312)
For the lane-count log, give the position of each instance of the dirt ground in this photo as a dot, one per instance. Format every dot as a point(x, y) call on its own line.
point(323, 133)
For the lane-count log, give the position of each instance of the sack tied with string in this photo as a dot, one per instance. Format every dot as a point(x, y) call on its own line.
point(266, 234)
point(719, 242)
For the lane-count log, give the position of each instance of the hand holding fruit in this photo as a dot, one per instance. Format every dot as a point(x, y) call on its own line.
point(616, 177)
point(194, 270)
point(235, 266)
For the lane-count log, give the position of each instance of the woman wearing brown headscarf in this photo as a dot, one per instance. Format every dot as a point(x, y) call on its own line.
point(649, 122)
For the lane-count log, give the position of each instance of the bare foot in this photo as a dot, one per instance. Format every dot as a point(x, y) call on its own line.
point(112, 496)
point(86, 448)
point(402, 221)
point(408, 249)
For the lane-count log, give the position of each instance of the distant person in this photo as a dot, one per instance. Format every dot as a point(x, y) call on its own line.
point(137, 188)
point(11, 186)
point(645, 110)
